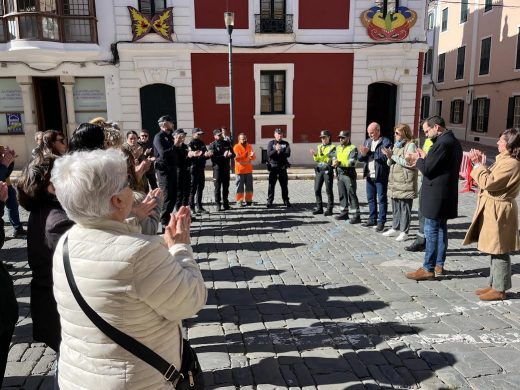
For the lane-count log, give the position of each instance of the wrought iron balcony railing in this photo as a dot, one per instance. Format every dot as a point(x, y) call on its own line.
point(273, 25)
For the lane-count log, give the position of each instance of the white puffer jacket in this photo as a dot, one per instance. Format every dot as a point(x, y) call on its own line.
point(134, 283)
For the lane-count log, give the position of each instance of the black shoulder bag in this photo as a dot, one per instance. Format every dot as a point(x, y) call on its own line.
point(190, 377)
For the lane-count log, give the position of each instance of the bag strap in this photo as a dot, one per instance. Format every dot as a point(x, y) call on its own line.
point(168, 371)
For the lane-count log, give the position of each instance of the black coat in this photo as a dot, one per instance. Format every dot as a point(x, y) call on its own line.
point(45, 227)
point(8, 304)
point(440, 185)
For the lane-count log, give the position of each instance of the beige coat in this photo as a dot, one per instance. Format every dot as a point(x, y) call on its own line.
point(137, 285)
point(495, 222)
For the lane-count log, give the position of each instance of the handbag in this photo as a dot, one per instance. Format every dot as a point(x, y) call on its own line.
point(190, 376)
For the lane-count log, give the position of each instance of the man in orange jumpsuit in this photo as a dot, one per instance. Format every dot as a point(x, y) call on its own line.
point(244, 154)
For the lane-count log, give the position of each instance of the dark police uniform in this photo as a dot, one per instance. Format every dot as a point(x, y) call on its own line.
point(221, 171)
point(277, 166)
point(166, 172)
point(197, 173)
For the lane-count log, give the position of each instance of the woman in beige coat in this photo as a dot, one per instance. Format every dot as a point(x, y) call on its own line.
point(495, 223)
point(142, 285)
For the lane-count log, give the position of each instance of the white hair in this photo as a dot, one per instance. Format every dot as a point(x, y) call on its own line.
point(86, 181)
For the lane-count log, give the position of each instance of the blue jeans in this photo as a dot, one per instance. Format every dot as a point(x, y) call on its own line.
point(12, 208)
point(436, 234)
point(377, 188)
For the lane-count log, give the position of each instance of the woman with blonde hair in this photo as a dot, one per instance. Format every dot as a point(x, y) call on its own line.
point(402, 181)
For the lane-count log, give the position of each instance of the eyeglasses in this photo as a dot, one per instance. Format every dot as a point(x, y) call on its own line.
point(342, 137)
point(397, 133)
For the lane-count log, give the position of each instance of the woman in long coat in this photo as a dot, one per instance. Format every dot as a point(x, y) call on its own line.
point(495, 222)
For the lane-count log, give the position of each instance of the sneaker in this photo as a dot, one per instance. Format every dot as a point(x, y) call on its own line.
point(242, 204)
point(420, 274)
point(355, 220)
point(20, 233)
point(368, 224)
point(328, 212)
point(480, 291)
point(439, 270)
point(380, 227)
point(249, 203)
point(390, 232)
point(415, 247)
point(342, 217)
point(493, 295)
point(401, 237)
point(317, 210)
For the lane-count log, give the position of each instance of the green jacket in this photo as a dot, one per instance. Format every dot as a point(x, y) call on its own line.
point(325, 154)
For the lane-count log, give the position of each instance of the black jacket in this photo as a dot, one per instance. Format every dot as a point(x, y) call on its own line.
point(278, 160)
point(162, 149)
point(46, 225)
point(218, 148)
point(195, 145)
point(440, 185)
point(380, 161)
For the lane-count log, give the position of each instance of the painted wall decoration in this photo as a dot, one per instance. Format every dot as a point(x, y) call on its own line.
point(395, 26)
point(161, 23)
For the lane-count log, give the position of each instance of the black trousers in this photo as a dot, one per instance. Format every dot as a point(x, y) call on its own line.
point(324, 177)
point(183, 188)
point(278, 174)
point(167, 180)
point(347, 186)
point(152, 180)
point(197, 186)
point(221, 176)
point(5, 342)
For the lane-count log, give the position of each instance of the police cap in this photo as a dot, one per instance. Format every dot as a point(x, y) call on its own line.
point(344, 134)
point(165, 118)
point(325, 133)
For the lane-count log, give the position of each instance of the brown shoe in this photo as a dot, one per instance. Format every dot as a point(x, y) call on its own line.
point(493, 295)
point(420, 274)
point(480, 291)
point(439, 270)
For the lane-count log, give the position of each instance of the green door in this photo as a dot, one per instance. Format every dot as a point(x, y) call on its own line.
point(156, 100)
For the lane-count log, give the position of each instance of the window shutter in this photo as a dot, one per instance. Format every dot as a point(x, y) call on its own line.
point(486, 114)
point(452, 111)
point(510, 112)
point(461, 108)
point(474, 115)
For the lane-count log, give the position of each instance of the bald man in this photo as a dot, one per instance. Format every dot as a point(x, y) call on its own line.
point(376, 174)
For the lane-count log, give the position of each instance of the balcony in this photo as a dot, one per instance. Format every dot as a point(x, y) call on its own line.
point(274, 25)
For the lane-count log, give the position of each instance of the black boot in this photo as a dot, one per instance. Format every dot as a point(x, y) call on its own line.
point(219, 207)
point(328, 212)
point(355, 220)
point(317, 210)
point(342, 217)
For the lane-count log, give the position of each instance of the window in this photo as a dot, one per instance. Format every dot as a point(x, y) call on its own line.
point(513, 112)
point(272, 92)
point(457, 111)
point(464, 8)
point(480, 117)
point(438, 107)
point(425, 107)
point(518, 50)
point(431, 20)
point(444, 25)
point(151, 7)
point(488, 5)
point(49, 20)
point(461, 55)
point(440, 71)
point(428, 60)
point(485, 52)
point(272, 18)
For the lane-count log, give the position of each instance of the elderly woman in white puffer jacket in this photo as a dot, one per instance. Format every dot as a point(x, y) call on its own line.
point(142, 285)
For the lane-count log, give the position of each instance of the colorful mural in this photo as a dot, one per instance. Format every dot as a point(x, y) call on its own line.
point(161, 23)
point(395, 26)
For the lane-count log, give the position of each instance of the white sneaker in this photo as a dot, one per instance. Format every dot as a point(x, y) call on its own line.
point(402, 236)
point(390, 233)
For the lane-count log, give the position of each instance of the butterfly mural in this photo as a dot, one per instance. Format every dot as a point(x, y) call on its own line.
point(161, 23)
point(395, 26)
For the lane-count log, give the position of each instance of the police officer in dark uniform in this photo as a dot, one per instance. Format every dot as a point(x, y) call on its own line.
point(278, 151)
point(221, 153)
point(181, 165)
point(164, 166)
point(198, 162)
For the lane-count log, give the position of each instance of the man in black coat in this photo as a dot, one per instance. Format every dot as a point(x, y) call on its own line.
point(198, 161)
point(278, 151)
point(221, 153)
point(439, 194)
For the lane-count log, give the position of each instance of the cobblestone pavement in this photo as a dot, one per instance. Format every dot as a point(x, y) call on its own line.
point(297, 301)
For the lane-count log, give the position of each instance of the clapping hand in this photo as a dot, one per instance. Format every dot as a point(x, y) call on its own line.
point(411, 159)
point(3, 191)
point(476, 156)
point(178, 230)
point(363, 149)
point(312, 151)
point(387, 152)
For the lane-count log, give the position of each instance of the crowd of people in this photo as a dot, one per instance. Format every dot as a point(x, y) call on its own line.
point(99, 202)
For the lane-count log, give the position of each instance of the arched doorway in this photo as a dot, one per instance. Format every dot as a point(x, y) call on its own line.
point(381, 107)
point(156, 100)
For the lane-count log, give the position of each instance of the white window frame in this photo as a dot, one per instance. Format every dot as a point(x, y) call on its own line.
point(276, 119)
